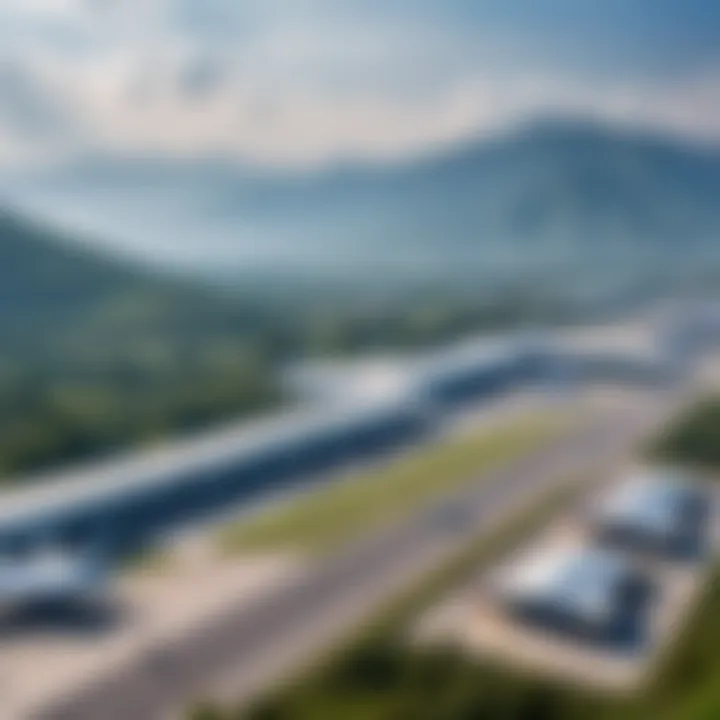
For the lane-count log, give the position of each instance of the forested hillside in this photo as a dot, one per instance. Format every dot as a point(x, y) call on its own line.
point(97, 354)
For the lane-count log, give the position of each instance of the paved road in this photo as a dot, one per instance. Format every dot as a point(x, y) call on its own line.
point(244, 652)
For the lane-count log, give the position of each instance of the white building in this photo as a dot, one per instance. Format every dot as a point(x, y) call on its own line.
point(583, 592)
point(655, 511)
point(48, 575)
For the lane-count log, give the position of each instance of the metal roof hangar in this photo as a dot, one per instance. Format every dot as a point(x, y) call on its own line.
point(581, 592)
point(656, 511)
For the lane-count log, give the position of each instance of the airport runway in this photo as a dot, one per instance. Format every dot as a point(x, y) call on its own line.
point(243, 653)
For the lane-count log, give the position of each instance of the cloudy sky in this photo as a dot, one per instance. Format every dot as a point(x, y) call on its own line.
point(315, 81)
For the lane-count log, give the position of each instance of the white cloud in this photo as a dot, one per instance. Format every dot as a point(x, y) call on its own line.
point(301, 81)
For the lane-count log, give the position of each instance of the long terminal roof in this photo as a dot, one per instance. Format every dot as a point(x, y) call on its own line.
point(56, 493)
point(38, 499)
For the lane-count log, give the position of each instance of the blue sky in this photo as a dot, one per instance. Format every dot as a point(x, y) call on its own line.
point(316, 81)
point(640, 37)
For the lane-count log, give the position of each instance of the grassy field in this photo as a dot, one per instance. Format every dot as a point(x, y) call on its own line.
point(337, 512)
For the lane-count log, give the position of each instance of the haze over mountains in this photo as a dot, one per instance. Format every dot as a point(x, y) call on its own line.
point(576, 200)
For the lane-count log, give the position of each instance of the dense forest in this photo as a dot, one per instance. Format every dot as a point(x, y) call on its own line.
point(695, 438)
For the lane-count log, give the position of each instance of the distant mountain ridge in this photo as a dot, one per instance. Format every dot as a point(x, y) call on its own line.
point(555, 197)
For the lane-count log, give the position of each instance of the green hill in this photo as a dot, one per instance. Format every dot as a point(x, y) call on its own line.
point(97, 354)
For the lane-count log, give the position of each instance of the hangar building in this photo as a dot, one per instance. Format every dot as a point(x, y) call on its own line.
point(585, 593)
point(655, 511)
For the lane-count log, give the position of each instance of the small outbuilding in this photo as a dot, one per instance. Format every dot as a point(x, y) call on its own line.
point(49, 576)
point(656, 512)
point(588, 593)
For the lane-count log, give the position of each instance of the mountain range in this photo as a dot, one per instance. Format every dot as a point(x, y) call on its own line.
point(595, 205)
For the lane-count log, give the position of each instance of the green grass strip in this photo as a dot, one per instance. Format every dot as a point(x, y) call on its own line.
point(338, 512)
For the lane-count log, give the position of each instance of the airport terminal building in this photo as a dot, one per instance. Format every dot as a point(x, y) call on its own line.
point(111, 508)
